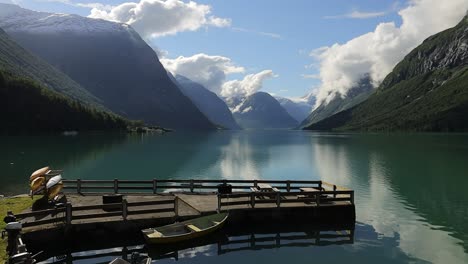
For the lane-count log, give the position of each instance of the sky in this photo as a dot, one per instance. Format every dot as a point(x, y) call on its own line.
point(287, 48)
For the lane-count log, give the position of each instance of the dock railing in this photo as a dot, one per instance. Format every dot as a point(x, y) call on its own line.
point(64, 215)
point(154, 186)
point(252, 199)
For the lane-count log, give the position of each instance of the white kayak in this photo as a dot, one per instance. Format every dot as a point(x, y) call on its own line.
point(53, 181)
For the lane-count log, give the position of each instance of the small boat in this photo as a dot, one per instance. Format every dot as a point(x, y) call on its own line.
point(186, 230)
point(54, 186)
point(39, 173)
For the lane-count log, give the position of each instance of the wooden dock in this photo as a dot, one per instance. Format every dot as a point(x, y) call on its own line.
point(160, 202)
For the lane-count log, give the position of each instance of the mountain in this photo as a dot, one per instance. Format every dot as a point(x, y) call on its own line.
point(261, 111)
point(37, 97)
point(17, 61)
point(298, 109)
point(207, 102)
point(110, 60)
point(426, 91)
point(355, 95)
point(28, 107)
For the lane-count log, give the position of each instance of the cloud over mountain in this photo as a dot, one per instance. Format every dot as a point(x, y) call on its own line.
point(155, 18)
point(212, 71)
point(249, 85)
point(376, 53)
point(208, 70)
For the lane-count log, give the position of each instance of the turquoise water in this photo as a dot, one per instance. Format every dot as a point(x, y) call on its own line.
point(411, 198)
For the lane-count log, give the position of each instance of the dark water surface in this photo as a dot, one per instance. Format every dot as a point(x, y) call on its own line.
point(411, 190)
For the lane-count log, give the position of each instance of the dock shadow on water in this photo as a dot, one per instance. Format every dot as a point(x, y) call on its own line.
point(232, 240)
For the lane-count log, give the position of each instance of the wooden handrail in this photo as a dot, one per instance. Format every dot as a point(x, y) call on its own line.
point(122, 209)
point(116, 185)
point(279, 198)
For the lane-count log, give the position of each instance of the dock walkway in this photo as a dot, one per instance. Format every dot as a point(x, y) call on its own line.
point(160, 202)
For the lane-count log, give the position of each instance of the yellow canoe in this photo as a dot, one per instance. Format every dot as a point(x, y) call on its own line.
point(186, 230)
point(39, 173)
point(54, 190)
point(37, 185)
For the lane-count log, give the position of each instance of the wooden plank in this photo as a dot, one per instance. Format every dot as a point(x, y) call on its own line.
point(96, 207)
point(99, 215)
point(44, 222)
point(246, 202)
point(40, 213)
point(156, 202)
point(151, 211)
point(136, 187)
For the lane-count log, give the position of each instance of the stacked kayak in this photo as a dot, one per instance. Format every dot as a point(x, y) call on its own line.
point(47, 182)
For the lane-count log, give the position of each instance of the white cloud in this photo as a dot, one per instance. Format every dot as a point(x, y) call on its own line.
point(210, 71)
point(251, 84)
point(358, 14)
point(261, 33)
point(377, 52)
point(155, 18)
point(310, 76)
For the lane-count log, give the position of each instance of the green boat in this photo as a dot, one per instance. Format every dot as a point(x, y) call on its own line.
point(187, 230)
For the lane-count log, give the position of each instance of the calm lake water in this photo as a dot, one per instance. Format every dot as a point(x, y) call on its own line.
point(411, 190)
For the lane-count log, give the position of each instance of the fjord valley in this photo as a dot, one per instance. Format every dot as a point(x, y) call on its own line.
point(332, 131)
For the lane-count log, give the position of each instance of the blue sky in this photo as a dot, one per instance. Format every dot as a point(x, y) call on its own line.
point(291, 30)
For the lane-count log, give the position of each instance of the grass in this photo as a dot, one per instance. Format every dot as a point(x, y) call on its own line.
point(16, 205)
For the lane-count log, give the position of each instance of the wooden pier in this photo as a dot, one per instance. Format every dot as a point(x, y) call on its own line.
point(149, 203)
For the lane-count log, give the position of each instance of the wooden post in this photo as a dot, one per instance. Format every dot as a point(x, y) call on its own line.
point(255, 183)
point(351, 197)
point(78, 186)
point(334, 189)
point(176, 206)
point(278, 199)
point(68, 214)
point(252, 200)
point(191, 185)
point(320, 185)
point(155, 186)
point(116, 186)
point(288, 186)
point(124, 209)
point(317, 197)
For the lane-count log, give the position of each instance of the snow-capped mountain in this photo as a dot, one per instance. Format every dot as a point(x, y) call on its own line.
point(261, 111)
point(108, 59)
point(299, 108)
point(18, 19)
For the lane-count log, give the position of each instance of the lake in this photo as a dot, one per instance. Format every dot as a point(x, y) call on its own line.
point(410, 189)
